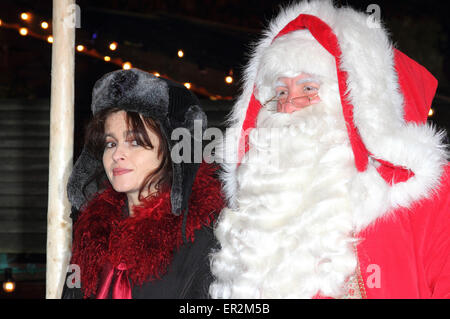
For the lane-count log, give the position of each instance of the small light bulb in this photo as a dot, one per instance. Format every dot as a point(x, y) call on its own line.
point(23, 31)
point(24, 16)
point(180, 53)
point(9, 286)
point(80, 48)
point(156, 74)
point(229, 79)
point(113, 46)
point(107, 58)
point(187, 85)
point(1, 22)
point(126, 66)
point(430, 112)
point(44, 25)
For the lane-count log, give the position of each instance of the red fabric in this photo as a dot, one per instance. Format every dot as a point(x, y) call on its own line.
point(360, 152)
point(418, 87)
point(411, 248)
point(393, 174)
point(144, 244)
point(249, 123)
point(319, 30)
point(121, 288)
point(106, 278)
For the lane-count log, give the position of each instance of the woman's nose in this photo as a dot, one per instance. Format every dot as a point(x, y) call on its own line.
point(119, 153)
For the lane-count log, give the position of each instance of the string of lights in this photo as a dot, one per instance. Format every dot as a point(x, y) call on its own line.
point(44, 34)
point(120, 62)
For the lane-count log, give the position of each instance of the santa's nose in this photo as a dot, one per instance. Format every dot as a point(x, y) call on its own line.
point(293, 104)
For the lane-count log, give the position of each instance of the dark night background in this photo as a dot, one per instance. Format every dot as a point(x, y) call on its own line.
point(215, 37)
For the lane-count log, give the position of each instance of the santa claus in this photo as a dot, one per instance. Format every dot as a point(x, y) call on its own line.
point(337, 186)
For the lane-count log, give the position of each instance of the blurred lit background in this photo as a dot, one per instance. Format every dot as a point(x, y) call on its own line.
point(200, 43)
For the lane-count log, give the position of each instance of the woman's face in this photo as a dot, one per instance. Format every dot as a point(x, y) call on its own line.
point(126, 163)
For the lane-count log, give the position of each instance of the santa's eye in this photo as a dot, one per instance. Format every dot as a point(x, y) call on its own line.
point(309, 88)
point(281, 93)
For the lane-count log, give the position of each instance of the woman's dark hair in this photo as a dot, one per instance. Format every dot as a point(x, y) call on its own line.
point(161, 177)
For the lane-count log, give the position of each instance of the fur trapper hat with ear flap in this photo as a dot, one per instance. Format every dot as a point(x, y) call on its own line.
point(170, 103)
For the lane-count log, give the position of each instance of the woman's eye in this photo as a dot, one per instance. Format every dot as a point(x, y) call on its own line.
point(110, 144)
point(133, 142)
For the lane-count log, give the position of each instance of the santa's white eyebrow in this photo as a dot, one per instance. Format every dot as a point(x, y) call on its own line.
point(277, 84)
point(301, 81)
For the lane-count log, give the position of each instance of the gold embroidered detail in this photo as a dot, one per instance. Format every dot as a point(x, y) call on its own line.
point(362, 289)
point(354, 286)
point(352, 290)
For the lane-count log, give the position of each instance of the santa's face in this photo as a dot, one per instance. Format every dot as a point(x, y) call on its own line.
point(296, 93)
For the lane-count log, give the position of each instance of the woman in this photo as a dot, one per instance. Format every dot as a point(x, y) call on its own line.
point(144, 228)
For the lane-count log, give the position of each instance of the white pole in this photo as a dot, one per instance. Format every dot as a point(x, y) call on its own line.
point(59, 225)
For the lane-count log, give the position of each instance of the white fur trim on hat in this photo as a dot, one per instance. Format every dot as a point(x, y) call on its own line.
point(288, 56)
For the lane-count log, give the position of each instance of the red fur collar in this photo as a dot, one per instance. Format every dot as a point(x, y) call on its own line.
point(145, 242)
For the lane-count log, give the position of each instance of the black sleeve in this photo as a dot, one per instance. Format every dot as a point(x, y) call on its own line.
point(189, 274)
point(202, 278)
point(71, 293)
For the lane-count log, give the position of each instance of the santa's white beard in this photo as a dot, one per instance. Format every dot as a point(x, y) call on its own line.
point(291, 236)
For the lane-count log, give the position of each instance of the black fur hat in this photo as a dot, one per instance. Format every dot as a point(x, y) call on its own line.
point(170, 103)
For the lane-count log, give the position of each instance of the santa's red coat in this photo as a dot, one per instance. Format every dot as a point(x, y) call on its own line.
point(406, 254)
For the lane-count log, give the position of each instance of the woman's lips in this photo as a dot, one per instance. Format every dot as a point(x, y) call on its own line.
point(120, 171)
